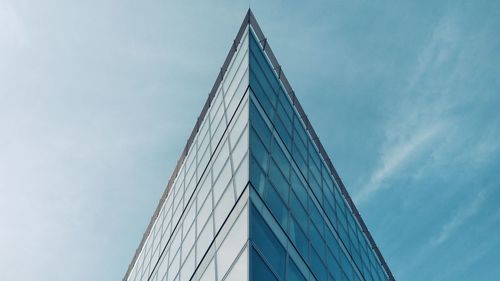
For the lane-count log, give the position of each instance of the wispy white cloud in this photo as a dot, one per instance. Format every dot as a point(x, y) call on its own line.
point(458, 219)
point(397, 156)
point(420, 118)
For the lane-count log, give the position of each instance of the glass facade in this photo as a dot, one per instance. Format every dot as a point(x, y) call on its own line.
point(292, 187)
point(252, 197)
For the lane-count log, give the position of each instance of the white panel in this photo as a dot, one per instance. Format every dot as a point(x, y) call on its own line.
point(232, 244)
point(239, 271)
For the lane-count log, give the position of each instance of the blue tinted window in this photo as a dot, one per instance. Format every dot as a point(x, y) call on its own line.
point(259, 269)
point(275, 203)
point(283, 133)
point(265, 68)
point(258, 150)
point(257, 176)
point(259, 92)
point(333, 244)
point(330, 212)
point(294, 273)
point(298, 211)
point(267, 243)
point(300, 131)
point(343, 235)
point(346, 265)
point(299, 188)
point(278, 180)
point(298, 237)
point(313, 154)
point(286, 103)
point(316, 217)
point(299, 146)
point(301, 163)
point(280, 158)
point(316, 188)
point(316, 239)
point(260, 126)
point(318, 267)
point(333, 266)
point(284, 116)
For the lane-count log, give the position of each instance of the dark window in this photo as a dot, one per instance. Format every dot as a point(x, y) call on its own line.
point(280, 158)
point(260, 126)
point(264, 240)
point(278, 180)
point(259, 269)
point(275, 203)
point(298, 188)
point(298, 211)
point(318, 267)
point(258, 150)
point(257, 176)
point(298, 237)
point(294, 273)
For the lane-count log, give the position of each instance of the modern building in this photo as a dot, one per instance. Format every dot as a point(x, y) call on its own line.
point(254, 195)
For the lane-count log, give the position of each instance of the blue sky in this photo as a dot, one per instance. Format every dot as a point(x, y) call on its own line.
point(97, 99)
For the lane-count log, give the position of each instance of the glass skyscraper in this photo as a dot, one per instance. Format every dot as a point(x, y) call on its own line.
point(254, 196)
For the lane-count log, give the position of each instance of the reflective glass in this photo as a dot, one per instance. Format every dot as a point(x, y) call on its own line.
point(298, 237)
point(317, 265)
point(294, 273)
point(259, 150)
point(267, 243)
point(260, 125)
point(280, 158)
point(278, 180)
point(277, 206)
point(257, 176)
point(258, 268)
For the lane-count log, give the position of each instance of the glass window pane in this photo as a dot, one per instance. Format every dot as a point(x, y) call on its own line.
point(259, 269)
point(257, 176)
point(299, 188)
point(278, 180)
point(294, 273)
point(298, 237)
point(318, 267)
point(298, 211)
point(275, 203)
point(267, 243)
point(260, 125)
point(259, 150)
point(280, 158)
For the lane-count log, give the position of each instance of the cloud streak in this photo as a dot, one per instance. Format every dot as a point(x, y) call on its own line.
point(420, 117)
point(396, 157)
point(458, 219)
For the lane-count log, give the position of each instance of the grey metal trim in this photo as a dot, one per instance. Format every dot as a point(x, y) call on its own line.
point(281, 76)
